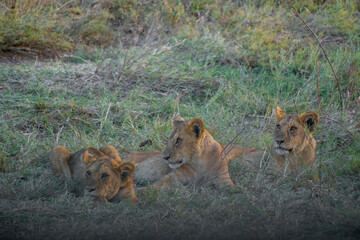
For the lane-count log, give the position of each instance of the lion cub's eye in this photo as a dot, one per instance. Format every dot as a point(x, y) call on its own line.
point(293, 128)
point(104, 176)
point(278, 126)
point(178, 141)
point(88, 173)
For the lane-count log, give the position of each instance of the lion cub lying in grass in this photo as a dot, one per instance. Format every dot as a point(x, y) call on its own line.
point(192, 156)
point(100, 174)
point(293, 145)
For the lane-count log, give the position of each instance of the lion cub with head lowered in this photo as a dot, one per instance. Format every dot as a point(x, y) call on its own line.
point(195, 157)
point(100, 174)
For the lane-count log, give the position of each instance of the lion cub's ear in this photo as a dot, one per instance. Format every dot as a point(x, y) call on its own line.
point(111, 152)
point(90, 156)
point(177, 122)
point(126, 170)
point(280, 114)
point(196, 126)
point(310, 120)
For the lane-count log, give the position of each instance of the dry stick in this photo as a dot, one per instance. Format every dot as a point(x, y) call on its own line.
point(8, 9)
point(123, 65)
point(58, 135)
point(64, 5)
point(232, 141)
point(230, 145)
point(354, 85)
point(68, 122)
point(317, 81)
point(59, 57)
point(105, 119)
point(323, 50)
point(296, 109)
point(339, 125)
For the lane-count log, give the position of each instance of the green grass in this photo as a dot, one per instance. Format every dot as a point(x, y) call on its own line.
point(48, 102)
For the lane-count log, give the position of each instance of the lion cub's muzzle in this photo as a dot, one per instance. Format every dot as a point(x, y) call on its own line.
point(173, 163)
point(280, 148)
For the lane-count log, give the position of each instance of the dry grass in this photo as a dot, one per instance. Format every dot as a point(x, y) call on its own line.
point(126, 95)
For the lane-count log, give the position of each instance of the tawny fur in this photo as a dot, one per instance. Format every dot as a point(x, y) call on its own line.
point(100, 174)
point(195, 157)
point(293, 146)
point(151, 165)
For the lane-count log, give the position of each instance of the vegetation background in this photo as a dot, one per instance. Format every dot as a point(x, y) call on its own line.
point(80, 73)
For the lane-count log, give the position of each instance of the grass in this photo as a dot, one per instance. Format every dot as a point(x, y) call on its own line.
point(125, 94)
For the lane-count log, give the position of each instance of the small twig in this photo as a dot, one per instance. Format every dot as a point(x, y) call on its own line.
point(59, 57)
point(317, 80)
point(323, 50)
point(232, 140)
point(105, 119)
point(24, 50)
point(8, 9)
point(123, 65)
point(71, 126)
point(230, 144)
point(28, 148)
point(58, 134)
point(176, 105)
point(64, 5)
point(73, 56)
point(296, 109)
point(339, 125)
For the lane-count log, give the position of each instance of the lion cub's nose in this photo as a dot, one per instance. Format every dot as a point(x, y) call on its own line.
point(167, 158)
point(279, 141)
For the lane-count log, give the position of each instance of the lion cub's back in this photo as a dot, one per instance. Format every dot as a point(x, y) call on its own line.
point(150, 165)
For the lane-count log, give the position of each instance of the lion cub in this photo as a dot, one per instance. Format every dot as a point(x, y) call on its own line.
point(100, 174)
point(293, 144)
point(194, 157)
point(152, 165)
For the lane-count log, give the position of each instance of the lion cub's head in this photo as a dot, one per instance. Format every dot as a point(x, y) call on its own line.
point(293, 132)
point(105, 176)
point(184, 141)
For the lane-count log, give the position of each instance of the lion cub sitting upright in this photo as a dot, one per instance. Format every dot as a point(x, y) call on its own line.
point(100, 174)
point(293, 144)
